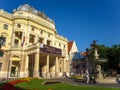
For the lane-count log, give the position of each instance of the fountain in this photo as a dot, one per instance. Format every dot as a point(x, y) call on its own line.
point(97, 60)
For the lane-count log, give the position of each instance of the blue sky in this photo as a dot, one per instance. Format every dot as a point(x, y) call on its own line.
point(79, 20)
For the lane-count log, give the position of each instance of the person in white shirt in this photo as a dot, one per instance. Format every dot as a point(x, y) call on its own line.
point(87, 76)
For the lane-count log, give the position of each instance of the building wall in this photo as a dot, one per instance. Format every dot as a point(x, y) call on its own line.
point(72, 52)
point(25, 34)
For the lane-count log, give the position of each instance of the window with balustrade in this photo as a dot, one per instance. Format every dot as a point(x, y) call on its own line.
point(5, 26)
point(16, 42)
point(0, 66)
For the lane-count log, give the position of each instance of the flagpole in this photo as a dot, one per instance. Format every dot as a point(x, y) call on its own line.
point(22, 45)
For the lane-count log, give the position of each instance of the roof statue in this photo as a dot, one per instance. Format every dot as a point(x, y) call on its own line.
point(29, 8)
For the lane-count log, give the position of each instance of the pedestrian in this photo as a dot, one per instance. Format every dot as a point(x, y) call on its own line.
point(87, 76)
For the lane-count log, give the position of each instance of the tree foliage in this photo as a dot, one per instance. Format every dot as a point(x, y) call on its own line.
point(102, 51)
point(112, 54)
point(114, 57)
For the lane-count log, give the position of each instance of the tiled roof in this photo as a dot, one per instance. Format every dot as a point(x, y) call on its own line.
point(83, 54)
point(78, 56)
point(70, 45)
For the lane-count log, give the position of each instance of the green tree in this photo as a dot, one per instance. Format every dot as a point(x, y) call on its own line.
point(114, 58)
point(102, 51)
point(112, 54)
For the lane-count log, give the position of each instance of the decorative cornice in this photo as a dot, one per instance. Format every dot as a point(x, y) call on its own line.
point(5, 14)
point(61, 37)
point(36, 21)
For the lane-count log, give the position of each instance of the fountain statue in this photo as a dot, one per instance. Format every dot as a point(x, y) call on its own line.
point(96, 55)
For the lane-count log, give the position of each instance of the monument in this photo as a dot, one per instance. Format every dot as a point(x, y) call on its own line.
point(97, 60)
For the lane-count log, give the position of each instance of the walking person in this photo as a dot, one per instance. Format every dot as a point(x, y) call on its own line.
point(87, 76)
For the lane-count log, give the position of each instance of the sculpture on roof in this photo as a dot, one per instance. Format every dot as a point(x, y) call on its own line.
point(30, 9)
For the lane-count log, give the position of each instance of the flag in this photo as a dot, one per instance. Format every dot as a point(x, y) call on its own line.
point(41, 46)
point(23, 41)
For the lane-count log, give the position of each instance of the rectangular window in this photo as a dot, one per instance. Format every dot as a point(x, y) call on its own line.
point(49, 34)
point(20, 13)
point(48, 42)
point(40, 40)
point(3, 41)
point(60, 62)
point(60, 69)
point(41, 32)
point(59, 44)
point(5, 26)
point(16, 42)
point(64, 46)
point(31, 40)
point(0, 66)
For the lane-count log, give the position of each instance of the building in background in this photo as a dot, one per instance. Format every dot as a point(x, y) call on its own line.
point(33, 48)
point(79, 63)
point(72, 49)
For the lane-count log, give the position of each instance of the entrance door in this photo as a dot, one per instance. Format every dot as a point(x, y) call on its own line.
point(14, 72)
point(14, 69)
point(31, 65)
point(30, 68)
point(40, 70)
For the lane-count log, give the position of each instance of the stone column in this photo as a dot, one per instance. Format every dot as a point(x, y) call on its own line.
point(9, 68)
point(48, 67)
point(26, 66)
point(36, 65)
point(56, 72)
point(21, 66)
point(36, 39)
point(64, 65)
point(44, 41)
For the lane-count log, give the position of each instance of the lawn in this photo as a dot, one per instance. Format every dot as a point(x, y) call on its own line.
point(36, 84)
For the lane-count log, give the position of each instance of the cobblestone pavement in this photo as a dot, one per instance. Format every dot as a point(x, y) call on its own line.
point(71, 81)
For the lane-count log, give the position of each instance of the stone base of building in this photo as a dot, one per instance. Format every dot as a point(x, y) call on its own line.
point(26, 74)
point(3, 74)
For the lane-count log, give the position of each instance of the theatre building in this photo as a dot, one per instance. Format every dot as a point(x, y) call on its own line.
point(32, 47)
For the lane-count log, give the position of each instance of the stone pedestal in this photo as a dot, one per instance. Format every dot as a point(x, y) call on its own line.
point(99, 75)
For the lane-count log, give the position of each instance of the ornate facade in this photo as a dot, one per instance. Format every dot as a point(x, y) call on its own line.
point(32, 45)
